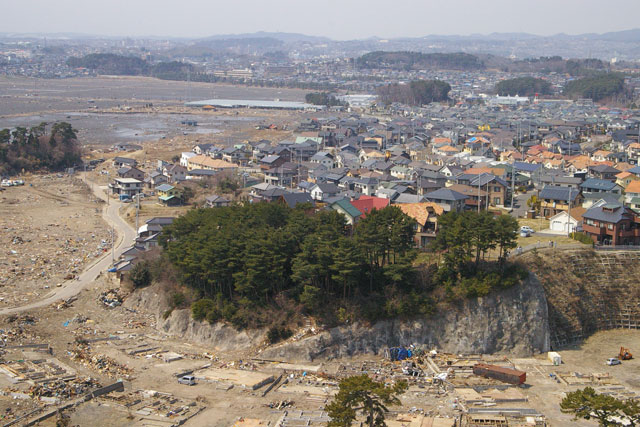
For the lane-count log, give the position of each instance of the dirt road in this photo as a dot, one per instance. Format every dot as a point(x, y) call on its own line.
point(126, 234)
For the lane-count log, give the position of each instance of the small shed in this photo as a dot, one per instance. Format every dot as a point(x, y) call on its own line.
point(554, 358)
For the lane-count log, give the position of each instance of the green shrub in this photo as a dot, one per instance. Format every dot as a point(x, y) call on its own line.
point(201, 308)
point(177, 299)
point(582, 238)
point(140, 275)
point(213, 315)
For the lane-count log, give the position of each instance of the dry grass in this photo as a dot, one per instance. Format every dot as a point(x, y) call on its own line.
point(150, 209)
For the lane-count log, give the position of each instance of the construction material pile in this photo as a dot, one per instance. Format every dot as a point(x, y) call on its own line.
point(111, 298)
point(100, 363)
point(64, 389)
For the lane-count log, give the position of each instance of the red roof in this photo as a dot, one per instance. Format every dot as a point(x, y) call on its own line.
point(367, 203)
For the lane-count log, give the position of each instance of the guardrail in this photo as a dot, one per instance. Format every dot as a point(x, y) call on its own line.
point(617, 248)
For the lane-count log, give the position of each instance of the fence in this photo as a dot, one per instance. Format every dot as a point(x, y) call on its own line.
point(617, 248)
point(547, 245)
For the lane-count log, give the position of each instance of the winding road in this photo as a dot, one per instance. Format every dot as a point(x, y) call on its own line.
point(126, 235)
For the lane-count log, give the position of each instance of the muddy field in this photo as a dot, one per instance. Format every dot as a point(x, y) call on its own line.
point(109, 110)
point(21, 95)
point(50, 229)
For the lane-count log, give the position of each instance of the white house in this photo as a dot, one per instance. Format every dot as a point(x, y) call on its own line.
point(563, 222)
point(184, 158)
point(323, 191)
point(323, 158)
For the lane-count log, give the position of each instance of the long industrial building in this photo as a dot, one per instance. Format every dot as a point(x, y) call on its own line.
point(250, 103)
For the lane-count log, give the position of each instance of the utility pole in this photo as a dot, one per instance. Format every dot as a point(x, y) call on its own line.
point(569, 214)
point(137, 210)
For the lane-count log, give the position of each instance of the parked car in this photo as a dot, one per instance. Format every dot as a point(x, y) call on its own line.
point(526, 228)
point(187, 380)
point(613, 361)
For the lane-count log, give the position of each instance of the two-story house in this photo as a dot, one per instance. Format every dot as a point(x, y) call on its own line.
point(611, 224)
point(449, 200)
point(169, 195)
point(554, 200)
point(126, 186)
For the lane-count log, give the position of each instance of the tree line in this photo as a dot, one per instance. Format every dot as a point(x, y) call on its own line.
point(242, 257)
point(37, 148)
point(120, 65)
point(596, 87)
point(523, 86)
point(416, 60)
point(322, 98)
point(417, 92)
point(464, 240)
point(242, 261)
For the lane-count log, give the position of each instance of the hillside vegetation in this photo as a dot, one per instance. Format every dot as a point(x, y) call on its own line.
point(523, 86)
point(119, 65)
point(417, 60)
point(597, 87)
point(35, 149)
point(418, 92)
point(258, 264)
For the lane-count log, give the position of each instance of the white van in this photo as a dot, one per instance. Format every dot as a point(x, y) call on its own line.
point(187, 380)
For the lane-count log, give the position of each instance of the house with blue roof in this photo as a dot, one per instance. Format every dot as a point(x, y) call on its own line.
point(595, 185)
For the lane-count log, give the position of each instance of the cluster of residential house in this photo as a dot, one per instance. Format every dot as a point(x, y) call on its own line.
point(354, 165)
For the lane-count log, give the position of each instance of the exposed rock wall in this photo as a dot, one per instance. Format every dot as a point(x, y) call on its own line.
point(513, 321)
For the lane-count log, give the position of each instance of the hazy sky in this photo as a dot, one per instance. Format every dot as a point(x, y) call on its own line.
point(337, 19)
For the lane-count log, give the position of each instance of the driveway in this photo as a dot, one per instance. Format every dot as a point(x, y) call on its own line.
point(125, 236)
point(520, 204)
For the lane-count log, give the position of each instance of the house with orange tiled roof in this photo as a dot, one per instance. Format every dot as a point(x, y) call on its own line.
point(600, 155)
point(441, 140)
point(579, 164)
point(632, 192)
point(623, 179)
point(205, 162)
point(623, 166)
point(446, 150)
point(554, 164)
point(426, 215)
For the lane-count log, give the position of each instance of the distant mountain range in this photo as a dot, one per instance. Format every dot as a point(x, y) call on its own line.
point(620, 44)
point(618, 36)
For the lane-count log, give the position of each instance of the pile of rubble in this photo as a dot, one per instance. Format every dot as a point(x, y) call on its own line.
point(64, 389)
point(21, 319)
point(101, 363)
point(280, 404)
point(111, 298)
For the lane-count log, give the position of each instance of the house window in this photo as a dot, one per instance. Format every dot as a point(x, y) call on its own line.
point(496, 189)
point(610, 226)
point(590, 222)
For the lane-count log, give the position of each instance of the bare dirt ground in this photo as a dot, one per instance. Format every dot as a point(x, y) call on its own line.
point(50, 229)
point(22, 95)
point(133, 350)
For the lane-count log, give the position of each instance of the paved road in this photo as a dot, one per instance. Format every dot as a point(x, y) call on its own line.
point(126, 235)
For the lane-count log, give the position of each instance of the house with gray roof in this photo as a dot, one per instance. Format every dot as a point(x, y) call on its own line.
point(451, 201)
point(611, 224)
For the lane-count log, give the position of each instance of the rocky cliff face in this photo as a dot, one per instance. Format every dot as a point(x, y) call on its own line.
point(513, 321)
